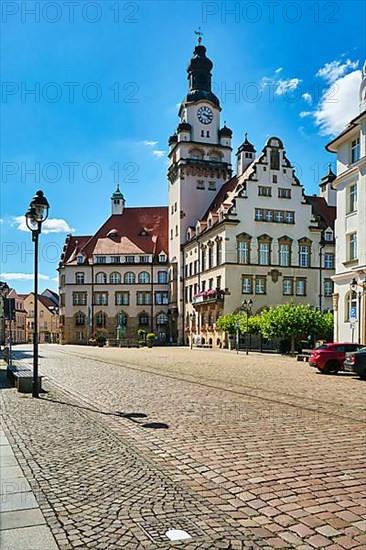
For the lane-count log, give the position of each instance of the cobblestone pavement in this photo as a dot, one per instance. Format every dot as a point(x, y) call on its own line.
point(241, 451)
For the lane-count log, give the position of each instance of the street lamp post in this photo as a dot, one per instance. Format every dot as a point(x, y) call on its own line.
point(192, 318)
point(4, 291)
point(237, 326)
point(247, 306)
point(36, 214)
point(359, 293)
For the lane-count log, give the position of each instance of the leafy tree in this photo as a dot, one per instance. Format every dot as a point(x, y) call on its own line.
point(293, 321)
point(227, 323)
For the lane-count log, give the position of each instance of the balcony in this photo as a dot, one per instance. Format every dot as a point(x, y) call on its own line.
point(208, 297)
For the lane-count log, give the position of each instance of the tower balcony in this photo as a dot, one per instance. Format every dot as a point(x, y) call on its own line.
point(211, 296)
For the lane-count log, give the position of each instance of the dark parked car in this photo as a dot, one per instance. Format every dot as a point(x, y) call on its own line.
point(329, 358)
point(356, 362)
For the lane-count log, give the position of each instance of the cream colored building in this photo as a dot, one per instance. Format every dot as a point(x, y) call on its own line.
point(256, 235)
point(48, 319)
point(115, 282)
point(18, 325)
point(350, 227)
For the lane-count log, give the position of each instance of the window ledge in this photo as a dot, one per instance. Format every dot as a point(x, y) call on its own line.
point(350, 263)
point(350, 214)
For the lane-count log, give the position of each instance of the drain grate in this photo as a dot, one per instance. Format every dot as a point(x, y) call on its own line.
point(161, 530)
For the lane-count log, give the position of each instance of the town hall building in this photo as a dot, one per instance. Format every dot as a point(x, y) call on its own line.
point(232, 231)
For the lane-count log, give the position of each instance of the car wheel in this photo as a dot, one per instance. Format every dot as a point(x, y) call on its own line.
point(332, 367)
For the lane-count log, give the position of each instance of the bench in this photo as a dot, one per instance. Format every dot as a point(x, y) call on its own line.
point(23, 378)
point(203, 346)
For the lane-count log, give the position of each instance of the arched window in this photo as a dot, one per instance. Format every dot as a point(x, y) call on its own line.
point(350, 309)
point(211, 319)
point(162, 319)
point(80, 319)
point(129, 278)
point(101, 278)
point(101, 320)
point(115, 278)
point(203, 319)
point(144, 277)
point(196, 154)
point(143, 319)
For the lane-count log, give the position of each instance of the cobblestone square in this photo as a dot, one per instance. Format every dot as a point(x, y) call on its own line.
point(255, 451)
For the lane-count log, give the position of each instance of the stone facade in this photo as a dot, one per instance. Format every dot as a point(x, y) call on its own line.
point(350, 228)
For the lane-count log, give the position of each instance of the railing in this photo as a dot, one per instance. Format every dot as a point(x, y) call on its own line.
point(208, 296)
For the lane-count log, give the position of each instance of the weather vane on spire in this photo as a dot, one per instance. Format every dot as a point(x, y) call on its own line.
point(199, 33)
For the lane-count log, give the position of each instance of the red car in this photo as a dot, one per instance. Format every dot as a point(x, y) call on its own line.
point(329, 358)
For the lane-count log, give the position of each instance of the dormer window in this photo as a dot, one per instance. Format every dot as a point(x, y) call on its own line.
point(328, 236)
point(162, 258)
point(80, 260)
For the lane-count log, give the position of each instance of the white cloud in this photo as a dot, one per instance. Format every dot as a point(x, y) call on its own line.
point(307, 97)
point(279, 70)
point(335, 69)
point(23, 276)
point(305, 113)
point(1, 220)
point(159, 154)
point(52, 225)
point(338, 104)
point(149, 143)
point(289, 85)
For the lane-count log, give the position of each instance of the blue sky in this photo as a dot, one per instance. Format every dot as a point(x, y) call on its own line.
point(108, 77)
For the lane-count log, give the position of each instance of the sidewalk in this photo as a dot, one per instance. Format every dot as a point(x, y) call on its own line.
point(22, 524)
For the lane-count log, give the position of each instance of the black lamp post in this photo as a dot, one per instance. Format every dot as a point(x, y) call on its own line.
point(247, 307)
point(36, 214)
point(237, 326)
point(359, 293)
point(4, 291)
point(192, 317)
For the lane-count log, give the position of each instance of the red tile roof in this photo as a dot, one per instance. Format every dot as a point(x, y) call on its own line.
point(137, 231)
point(321, 208)
point(221, 196)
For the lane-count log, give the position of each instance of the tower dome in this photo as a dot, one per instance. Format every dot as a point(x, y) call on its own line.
point(118, 202)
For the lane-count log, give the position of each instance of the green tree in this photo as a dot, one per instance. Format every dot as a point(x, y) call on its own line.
point(227, 323)
point(293, 321)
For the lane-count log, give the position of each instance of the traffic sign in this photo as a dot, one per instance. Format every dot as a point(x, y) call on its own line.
point(353, 312)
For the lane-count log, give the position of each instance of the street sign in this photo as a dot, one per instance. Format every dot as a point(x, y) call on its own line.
point(353, 312)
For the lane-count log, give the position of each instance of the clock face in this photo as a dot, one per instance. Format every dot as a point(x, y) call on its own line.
point(205, 115)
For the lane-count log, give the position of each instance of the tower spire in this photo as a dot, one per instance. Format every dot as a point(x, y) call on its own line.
point(199, 35)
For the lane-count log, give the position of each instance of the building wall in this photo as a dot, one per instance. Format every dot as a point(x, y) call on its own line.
point(19, 324)
point(48, 322)
point(76, 333)
point(350, 221)
point(243, 225)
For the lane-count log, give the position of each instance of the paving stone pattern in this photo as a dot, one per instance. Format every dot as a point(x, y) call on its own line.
point(268, 456)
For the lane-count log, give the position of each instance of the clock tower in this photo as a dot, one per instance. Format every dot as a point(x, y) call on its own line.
point(199, 164)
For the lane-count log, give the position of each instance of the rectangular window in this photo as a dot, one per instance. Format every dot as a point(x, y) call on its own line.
point(264, 253)
point(274, 160)
point(200, 184)
point(355, 150)
point(269, 215)
point(246, 285)
point(218, 282)
point(130, 259)
point(258, 215)
point(115, 259)
point(203, 286)
point(190, 292)
point(284, 193)
point(218, 253)
point(162, 277)
point(284, 255)
point(328, 287)
point(352, 246)
point(212, 186)
point(264, 191)
point(79, 278)
point(101, 298)
point(304, 256)
point(352, 198)
point(143, 298)
point(79, 298)
point(290, 217)
point(300, 287)
point(279, 216)
point(162, 298)
point(328, 260)
point(288, 287)
point(122, 298)
point(210, 284)
point(260, 285)
point(145, 259)
point(243, 252)
point(101, 260)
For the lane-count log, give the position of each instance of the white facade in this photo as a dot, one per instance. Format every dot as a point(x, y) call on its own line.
point(350, 227)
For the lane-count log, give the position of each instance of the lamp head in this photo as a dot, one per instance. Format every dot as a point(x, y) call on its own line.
point(4, 289)
point(38, 209)
point(353, 284)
